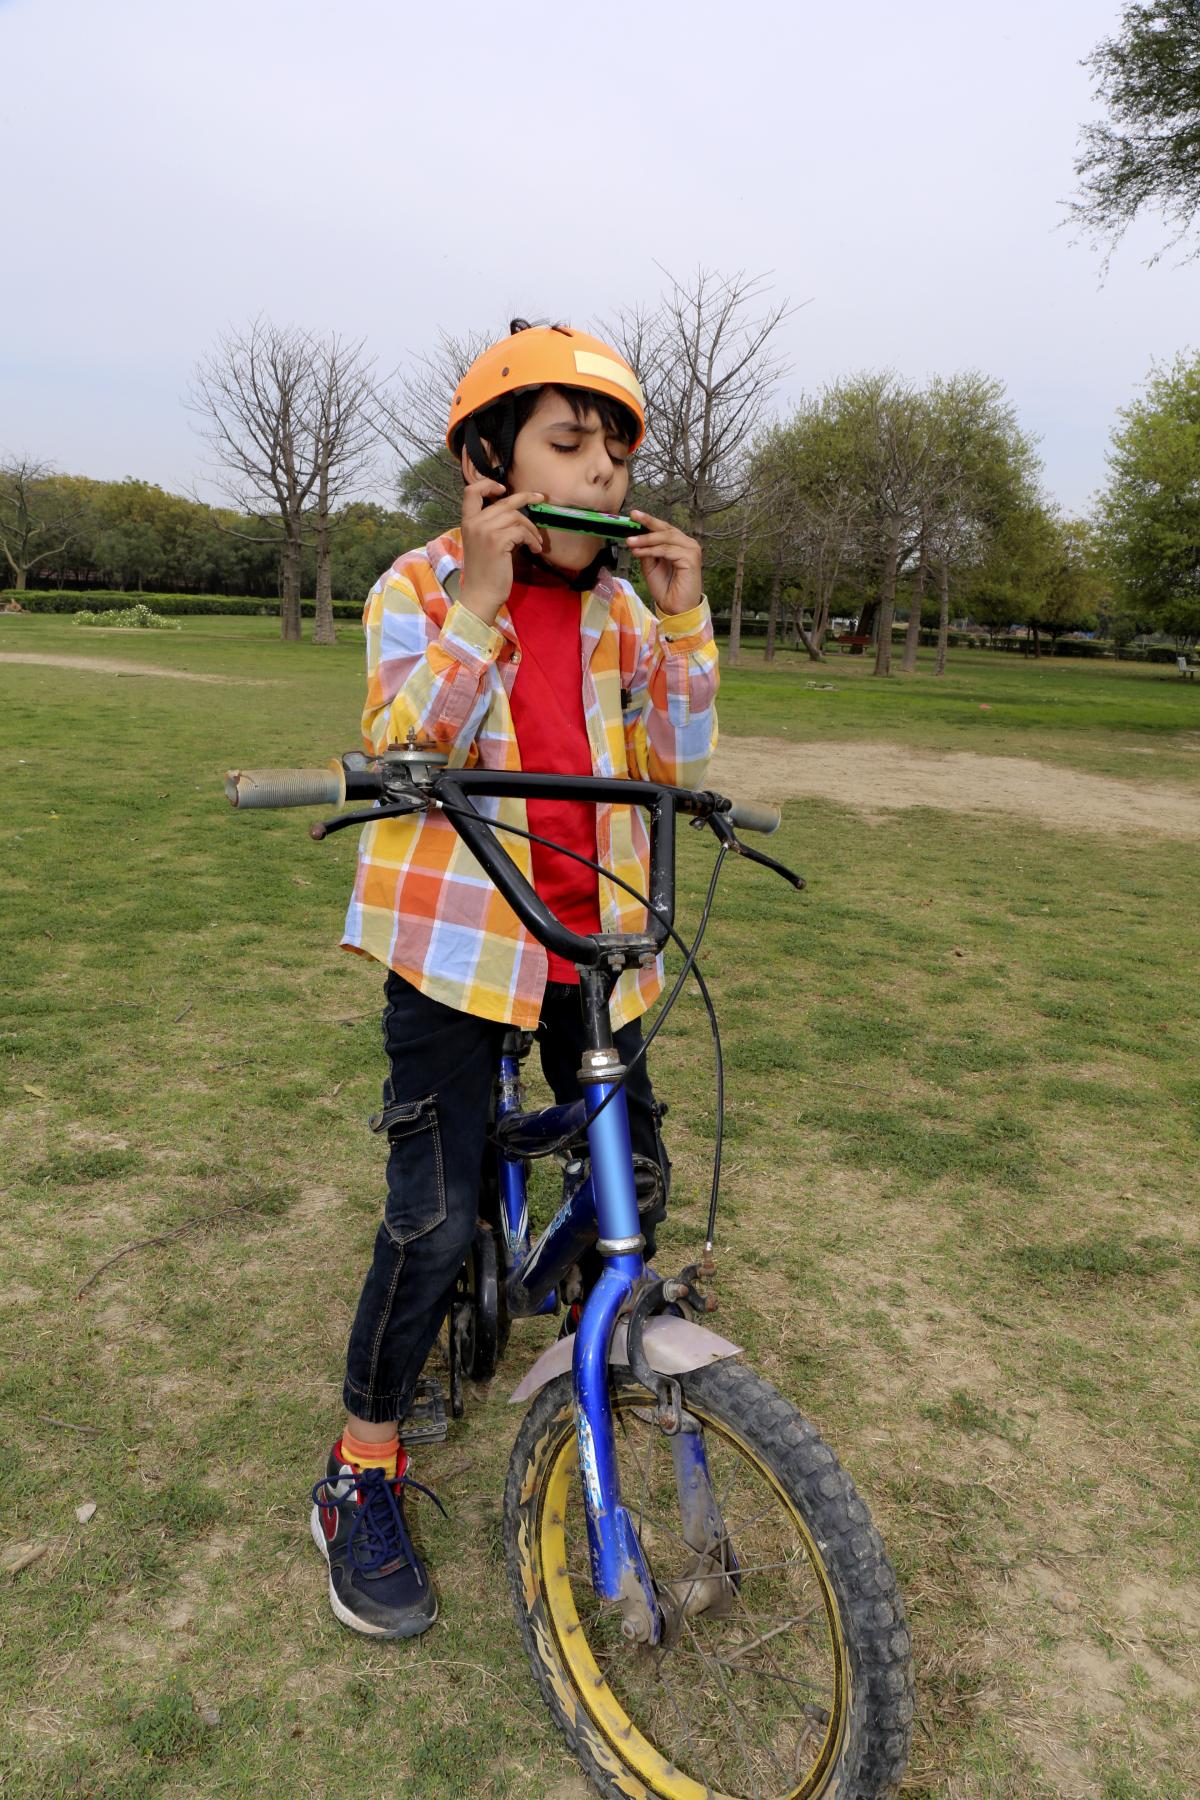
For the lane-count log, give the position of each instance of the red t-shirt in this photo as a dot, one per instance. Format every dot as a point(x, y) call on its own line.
point(548, 716)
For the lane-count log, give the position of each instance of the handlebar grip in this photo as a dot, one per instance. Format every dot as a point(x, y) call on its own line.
point(287, 787)
point(744, 815)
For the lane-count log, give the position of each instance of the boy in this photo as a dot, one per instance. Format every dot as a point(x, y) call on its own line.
point(512, 648)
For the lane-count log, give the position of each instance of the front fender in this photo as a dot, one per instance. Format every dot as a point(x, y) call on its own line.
point(672, 1346)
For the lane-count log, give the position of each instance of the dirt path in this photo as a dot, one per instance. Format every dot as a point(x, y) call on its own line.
point(879, 777)
point(110, 665)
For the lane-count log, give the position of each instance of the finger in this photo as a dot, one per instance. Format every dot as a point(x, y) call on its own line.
point(476, 493)
point(522, 531)
point(666, 534)
point(666, 549)
point(516, 502)
point(659, 524)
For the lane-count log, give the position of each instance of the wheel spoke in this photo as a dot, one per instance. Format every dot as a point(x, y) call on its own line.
point(734, 1709)
point(810, 1688)
point(687, 1732)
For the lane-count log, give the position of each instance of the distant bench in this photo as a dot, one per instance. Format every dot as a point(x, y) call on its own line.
point(1187, 670)
point(852, 642)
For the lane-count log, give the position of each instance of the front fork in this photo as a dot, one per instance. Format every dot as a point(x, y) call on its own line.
point(620, 1572)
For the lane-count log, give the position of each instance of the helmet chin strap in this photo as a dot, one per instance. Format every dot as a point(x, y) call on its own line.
point(479, 454)
point(582, 579)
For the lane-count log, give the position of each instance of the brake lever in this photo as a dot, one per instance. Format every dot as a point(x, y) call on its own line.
point(724, 831)
point(397, 809)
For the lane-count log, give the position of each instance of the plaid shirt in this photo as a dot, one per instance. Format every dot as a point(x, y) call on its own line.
point(421, 903)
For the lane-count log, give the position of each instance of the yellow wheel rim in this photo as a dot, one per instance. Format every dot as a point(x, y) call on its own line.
point(649, 1772)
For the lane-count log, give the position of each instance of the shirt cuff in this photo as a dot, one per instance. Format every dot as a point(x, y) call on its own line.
point(684, 624)
point(466, 636)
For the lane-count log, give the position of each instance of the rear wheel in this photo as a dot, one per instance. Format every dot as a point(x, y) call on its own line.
point(479, 1320)
point(787, 1671)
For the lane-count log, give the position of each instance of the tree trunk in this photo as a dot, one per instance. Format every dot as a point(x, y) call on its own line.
point(323, 627)
point(887, 601)
point(809, 640)
point(1037, 642)
point(289, 600)
point(22, 579)
point(773, 613)
point(734, 652)
point(943, 615)
point(820, 629)
point(323, 631)
point(909, 665)
point(866, 624)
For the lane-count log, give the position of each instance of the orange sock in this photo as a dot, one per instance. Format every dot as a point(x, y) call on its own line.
point(387, 1456)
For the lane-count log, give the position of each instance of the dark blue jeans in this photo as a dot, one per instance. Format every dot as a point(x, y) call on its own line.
point(435, 1113)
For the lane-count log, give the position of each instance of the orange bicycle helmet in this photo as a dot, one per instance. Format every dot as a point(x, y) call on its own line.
point(537, 356)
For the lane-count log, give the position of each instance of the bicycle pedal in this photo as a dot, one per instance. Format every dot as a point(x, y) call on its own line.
point(425, 1421)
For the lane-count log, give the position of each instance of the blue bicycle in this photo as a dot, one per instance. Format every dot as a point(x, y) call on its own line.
point(707, 1608)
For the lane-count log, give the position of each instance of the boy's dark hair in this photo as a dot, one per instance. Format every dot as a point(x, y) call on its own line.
point(499, 424)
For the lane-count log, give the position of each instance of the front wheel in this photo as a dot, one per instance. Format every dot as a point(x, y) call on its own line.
point(787, 1673)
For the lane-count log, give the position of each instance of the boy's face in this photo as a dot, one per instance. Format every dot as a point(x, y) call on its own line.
point(573, 463)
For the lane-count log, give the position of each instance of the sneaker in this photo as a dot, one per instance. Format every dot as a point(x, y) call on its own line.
point(377, 1582)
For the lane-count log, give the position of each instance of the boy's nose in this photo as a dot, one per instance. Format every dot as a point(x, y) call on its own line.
point(602, 468)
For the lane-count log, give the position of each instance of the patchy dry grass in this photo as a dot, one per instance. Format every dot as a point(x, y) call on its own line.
point(959, 1229)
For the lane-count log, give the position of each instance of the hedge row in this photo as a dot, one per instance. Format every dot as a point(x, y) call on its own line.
point(52, 600)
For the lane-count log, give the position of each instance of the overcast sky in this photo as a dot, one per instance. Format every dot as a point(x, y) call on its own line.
point(381, 169)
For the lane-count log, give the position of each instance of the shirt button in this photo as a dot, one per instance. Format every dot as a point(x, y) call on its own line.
point(516, 656)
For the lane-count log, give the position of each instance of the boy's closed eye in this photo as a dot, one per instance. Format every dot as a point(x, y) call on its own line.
point(618, 457)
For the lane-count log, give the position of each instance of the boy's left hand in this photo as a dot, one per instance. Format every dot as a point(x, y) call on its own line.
point(670, 562)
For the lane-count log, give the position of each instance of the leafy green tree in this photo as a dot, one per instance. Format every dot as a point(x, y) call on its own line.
point(982, 466)
point(430, 492)
point(1074, 583)
point(807, 475)
point(1150, 511)
point(1040, 571)
point(368, 540)
point(1146, 154)
point(41, 513)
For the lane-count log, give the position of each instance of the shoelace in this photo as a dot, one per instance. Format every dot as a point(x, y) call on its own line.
point(380, 1521)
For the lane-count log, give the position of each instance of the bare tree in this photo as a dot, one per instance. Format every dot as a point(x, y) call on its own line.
point(343, 432)
point(706, 358)
point(254, 394)
point(410, 412)
point(734, 650)
point(38, 516)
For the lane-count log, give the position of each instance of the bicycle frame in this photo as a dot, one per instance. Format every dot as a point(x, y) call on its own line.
point(605, 1199)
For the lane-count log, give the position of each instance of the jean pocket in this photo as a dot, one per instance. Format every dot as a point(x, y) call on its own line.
point(416, 1177)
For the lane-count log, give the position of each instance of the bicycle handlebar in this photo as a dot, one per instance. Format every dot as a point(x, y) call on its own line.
point(333, 785)
point(745, 815)
point(287, 787)
point(423, 782)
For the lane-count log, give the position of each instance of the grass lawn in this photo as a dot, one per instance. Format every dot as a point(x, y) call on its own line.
point(959, 1229)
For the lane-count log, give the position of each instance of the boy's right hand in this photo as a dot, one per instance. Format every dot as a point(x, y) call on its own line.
point(490, 534)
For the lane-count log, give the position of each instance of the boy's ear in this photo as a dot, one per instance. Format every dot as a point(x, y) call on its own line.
point(470, 472)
